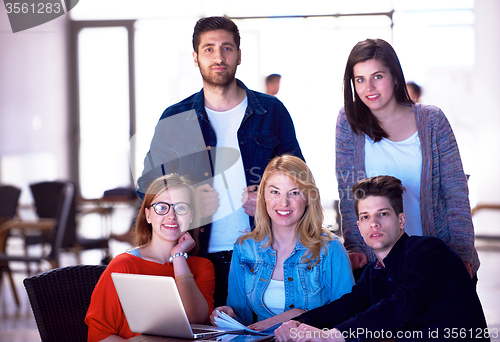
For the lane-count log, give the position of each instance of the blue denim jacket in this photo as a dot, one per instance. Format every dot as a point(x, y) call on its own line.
point(306, 287)
point(266, 131)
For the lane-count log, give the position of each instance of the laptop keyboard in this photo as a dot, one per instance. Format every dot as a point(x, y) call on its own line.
point(202, 331)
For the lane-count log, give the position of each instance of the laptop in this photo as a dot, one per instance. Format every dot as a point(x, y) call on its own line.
point(153, 306)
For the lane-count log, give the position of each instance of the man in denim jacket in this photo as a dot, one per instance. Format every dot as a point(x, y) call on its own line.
point(222, 138)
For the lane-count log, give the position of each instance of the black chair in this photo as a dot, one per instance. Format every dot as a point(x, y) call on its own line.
point(60, 299)
point(45, 196)
point(52, 228)
point(9, 198)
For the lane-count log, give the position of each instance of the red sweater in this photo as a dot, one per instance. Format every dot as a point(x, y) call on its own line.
point(105, 316)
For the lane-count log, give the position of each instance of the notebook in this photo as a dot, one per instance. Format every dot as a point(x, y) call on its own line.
point(153, 306)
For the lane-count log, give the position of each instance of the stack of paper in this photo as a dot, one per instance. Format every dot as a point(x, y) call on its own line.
point(226, 321)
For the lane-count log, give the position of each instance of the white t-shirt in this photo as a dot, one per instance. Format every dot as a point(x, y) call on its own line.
point(230, 220)
point(274, 296)
point(403, 160)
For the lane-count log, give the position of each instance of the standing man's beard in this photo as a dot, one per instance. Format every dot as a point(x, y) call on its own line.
point(218, 79)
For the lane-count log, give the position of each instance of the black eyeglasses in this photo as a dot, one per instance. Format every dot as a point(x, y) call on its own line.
point(162, 208)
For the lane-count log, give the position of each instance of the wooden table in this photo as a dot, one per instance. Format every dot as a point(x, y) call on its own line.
point(104, 206)
point(46, 226)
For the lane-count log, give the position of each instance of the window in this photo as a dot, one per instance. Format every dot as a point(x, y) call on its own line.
point(104, 123)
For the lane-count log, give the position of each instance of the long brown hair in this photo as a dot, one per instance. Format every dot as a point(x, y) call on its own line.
point(358, 114)
point(143, 230)
point(310, 228)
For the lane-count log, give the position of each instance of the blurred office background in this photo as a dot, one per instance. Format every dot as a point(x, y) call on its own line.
point(74, 91)
point(80, 95)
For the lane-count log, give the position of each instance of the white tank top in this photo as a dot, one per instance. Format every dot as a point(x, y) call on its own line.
point(403, 160)
point(274, 296)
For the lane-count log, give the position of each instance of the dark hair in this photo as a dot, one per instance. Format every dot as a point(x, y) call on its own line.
point(273, 77)
point(384, 186)
point(214, 23)
point(358, 114)
point(415, 87)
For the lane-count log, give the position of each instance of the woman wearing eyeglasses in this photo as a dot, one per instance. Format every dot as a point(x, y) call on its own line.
point(162, 246)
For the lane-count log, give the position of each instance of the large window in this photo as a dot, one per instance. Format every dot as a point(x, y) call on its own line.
point(104, 108)
point(308, 44)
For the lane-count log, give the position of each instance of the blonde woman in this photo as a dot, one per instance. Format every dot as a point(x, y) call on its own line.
point(289, 263)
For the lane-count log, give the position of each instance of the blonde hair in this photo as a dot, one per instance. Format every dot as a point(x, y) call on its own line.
point(310, 230)
point(143, 230)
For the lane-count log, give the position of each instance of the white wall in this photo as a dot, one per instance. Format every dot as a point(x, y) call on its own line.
point(487, 111)
point(34, 106)
point(33, 103)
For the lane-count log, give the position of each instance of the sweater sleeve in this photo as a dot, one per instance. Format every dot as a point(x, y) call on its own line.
point(204, 276)
point(330, 315)
point(347, 175)
point(105, 316)
point(453, 192)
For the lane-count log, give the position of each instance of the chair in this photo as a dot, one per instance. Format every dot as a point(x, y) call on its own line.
point(54, 230)
point(60, 299)
point(9, 198)
point(489, 206)
point(45, 197)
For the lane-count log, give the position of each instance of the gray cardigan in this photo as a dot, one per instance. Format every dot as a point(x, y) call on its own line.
point(444, 195)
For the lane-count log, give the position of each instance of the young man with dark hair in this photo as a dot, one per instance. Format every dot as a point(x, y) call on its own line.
point(417, 290)
point(222, 138)
point(212, 24)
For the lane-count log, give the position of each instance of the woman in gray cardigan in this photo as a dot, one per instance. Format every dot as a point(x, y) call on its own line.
point(380, 131)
